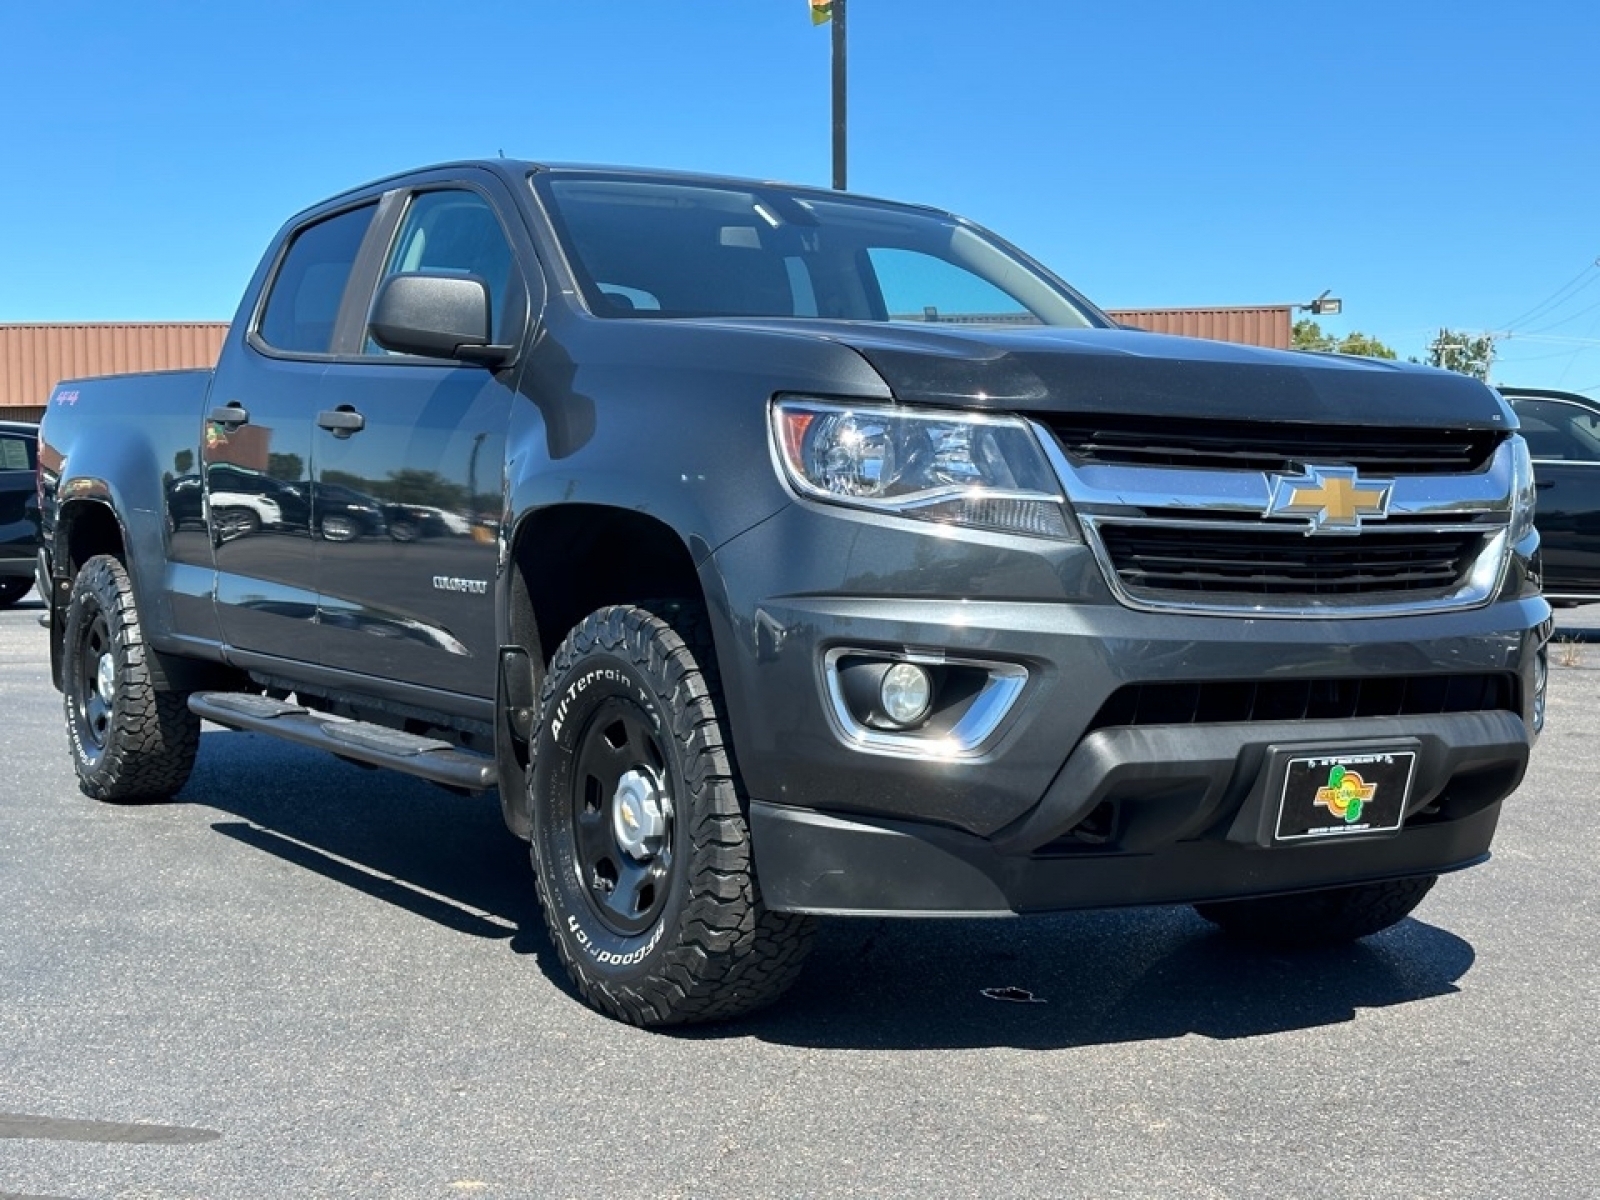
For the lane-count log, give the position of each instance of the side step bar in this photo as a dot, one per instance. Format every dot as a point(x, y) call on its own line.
point(378, 745)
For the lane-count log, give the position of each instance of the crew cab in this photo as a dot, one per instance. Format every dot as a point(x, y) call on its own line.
point(798, 554)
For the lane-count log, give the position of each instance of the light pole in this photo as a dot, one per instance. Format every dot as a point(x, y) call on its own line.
point(840, 132)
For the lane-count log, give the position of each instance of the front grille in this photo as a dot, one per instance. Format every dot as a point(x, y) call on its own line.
point(1251, 562)
point(1216, 702)
point(1248, 446)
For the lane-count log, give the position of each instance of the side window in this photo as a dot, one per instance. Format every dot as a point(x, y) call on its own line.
point(921, 287)
point(1554, 430)
point(303, 302)
point(455, 232)
point(16, 453)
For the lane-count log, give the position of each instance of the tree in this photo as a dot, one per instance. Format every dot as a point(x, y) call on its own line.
point(1308, 335)
point(1457, 351)
point(288, 467)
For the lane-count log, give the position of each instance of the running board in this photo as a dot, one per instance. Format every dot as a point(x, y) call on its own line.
point(377, 745)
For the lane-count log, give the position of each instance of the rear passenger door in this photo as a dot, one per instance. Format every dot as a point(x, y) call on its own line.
point(256, 445)
point(411, 600)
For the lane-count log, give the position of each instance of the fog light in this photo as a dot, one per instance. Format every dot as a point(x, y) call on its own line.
point(905, 694)
point(1541, 684)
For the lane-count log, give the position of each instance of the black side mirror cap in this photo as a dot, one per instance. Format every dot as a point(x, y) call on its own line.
point(436, 316)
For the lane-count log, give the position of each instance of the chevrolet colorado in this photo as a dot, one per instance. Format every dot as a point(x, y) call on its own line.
point(779, 553)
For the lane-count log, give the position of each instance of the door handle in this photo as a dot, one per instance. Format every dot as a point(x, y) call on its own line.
point(341, 422)
point(1544, 483)
point(232, 415)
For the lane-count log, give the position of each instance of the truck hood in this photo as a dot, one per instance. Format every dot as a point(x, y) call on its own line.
point(1130, 372)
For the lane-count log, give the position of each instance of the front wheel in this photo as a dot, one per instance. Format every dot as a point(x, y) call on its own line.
point(131, 738)
point(641, 846)
point(12, 590)
point(232, 523)
point(340, 529)
point(1319, 918)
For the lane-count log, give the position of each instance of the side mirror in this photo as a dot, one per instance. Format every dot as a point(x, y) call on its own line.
point(436, 316)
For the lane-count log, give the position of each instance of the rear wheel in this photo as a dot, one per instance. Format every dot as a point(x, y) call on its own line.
point(640, 840)
point(1319, 918)
point(131, 738)
point(12, 590)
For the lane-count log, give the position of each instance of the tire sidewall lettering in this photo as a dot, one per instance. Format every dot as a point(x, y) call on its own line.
point(86, 603)
point(586, 686)
point(564, 729)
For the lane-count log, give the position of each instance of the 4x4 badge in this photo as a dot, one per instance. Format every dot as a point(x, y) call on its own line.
point(1332, 499)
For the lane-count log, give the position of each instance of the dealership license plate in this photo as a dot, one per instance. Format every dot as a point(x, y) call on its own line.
point(1334, 794)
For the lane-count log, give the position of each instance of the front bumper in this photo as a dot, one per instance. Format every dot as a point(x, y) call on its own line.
point(1072, 801)
point(1184, 815)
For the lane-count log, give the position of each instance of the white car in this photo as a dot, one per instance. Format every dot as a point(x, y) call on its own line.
point(240, 514)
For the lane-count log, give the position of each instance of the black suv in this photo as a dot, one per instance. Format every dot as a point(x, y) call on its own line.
point(19, 510)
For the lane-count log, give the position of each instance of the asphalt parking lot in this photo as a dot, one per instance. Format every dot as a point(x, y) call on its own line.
point(303, 979)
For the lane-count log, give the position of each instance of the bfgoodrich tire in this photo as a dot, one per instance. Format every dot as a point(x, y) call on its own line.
point(1319, 918)
point(641, 846)
point(131, 739)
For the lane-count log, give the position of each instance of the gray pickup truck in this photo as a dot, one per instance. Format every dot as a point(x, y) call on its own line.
point(779, 553)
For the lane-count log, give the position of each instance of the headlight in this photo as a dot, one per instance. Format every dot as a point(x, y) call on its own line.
point(1522, 490)
point(958, 468)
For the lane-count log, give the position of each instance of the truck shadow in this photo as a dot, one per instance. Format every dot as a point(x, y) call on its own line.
point(1091, 978)
point(442, 856)
point(1050, 982)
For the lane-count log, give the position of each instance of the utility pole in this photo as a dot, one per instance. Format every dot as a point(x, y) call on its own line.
point(839, 97)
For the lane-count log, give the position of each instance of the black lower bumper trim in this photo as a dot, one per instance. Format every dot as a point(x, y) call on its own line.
point(1155, 815)
point(812, 862)
point(1160, 784)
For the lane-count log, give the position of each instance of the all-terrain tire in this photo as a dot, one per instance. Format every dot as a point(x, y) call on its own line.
point(131, 739)
point(1319, 918)
point(641, 844)
point(12, 590)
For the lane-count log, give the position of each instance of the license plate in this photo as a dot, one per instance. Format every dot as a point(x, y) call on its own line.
point(1344, 794)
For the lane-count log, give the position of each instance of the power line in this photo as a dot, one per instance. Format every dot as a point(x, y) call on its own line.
point(1559, 295)
point(1571, 317)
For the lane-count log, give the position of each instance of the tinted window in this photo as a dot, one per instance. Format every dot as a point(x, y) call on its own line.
point(1555, 429)
point(16, 453)
point(304, 301)
point(646, 247)
point(456, 233)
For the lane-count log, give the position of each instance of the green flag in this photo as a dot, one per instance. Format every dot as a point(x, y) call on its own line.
point(821, 11)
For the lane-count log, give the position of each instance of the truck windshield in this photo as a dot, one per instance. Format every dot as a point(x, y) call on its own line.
point(651, 248)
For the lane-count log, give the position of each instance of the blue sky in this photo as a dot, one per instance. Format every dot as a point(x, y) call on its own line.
point(1434, 164)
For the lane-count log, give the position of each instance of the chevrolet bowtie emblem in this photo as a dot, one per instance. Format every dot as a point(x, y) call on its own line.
point(1332, 499)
